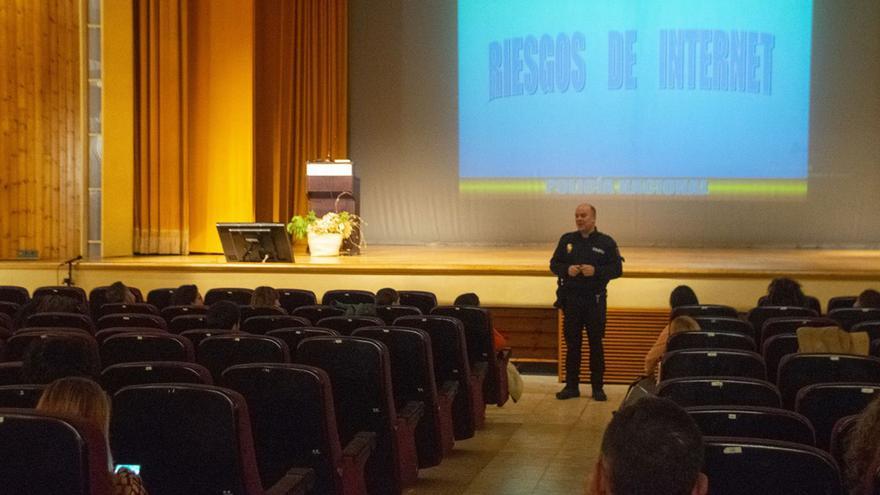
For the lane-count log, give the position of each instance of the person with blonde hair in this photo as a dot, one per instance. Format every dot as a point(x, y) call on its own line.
point(83, 398)
point(265, 296)
point(862, 458)
point(677, 325)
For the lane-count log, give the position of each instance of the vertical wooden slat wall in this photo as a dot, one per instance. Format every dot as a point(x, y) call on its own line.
point(41, 160)
point(629, 335)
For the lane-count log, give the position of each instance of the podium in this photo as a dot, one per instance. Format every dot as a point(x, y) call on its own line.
point(332, 186)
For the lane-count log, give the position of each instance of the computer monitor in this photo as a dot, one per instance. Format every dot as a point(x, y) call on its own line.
point(255, 242)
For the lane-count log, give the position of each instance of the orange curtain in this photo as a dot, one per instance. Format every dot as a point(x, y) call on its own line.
point(41, 129)
point(161, 220)
point(300, 98)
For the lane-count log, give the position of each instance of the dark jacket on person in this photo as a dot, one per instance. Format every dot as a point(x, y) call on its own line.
point(598, 250)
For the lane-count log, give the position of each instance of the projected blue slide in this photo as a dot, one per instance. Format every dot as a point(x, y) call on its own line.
point(633, 97)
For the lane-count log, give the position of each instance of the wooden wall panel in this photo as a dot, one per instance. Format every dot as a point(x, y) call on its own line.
point(41, 128)
point(629, 335)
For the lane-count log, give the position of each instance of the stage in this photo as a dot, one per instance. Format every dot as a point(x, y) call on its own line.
point(515, 282)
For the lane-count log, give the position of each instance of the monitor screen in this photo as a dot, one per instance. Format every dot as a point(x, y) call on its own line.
point(255, 242)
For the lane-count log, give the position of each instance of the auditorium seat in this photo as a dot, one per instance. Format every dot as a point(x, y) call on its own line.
point(294, 424)
point(7, 326)
point(10, 373)
point(709, 362)
point(161, 298)
point(132, 320)
point(478, 331)
point(390, 313)
point(766, 423)
point(293, 336)
point(451, 364)
point(197, 335)
point(189, 439)
point(799, 370)
point(344, 296)
point(263, 324)
point(718, 324)
point(102, 335)
point(182, 323)
point(841, 302)
point(757, 316)
point(68, 320)
point(360, 374)
point(744, 465)
point(18, 344)
point(424, 300)
point(238, 295)
point(840, 438)
point(248, 311)
point(123, 308)
point(775, 348)
point(872, 327)
point(117, 376)
point(135, 347)
point(219, 352)
point(76, 293)
point(704, 311)
point(290, 299)
point(847, 317)
point(23, 396)
point(48, 454)
point(98, 298)
point(315, 312)
point(825, 403)
point(692, 392)
point(710, 340)
point(345, 325)
point(9, 308)
point(789, 326)
point(412, 377)
point(170, 312)
point(14, 294)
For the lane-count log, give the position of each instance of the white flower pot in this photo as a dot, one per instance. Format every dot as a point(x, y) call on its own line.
point(324, 244)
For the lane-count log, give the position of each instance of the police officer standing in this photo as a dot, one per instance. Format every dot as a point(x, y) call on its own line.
point(584, 262)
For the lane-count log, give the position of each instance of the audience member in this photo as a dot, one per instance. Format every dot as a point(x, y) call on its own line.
point(119, 293)
point(84, 398)
point(677, 325)
point(467, 299)
point(682, 295)
point(869, 298)
point(784, 291)
point(47, 360)
point(187, 295)
point(651, 446)
point(265, 296)
point(387, 297)
point(223, 315)
point(862, 458)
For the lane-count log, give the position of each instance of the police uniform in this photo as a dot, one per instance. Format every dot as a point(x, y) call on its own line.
point(582, 299)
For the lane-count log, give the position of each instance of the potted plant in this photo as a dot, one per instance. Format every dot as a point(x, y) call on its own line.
point(325, 234)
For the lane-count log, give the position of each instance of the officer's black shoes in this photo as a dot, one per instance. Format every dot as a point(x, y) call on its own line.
point(598, 395)
point(568, 393)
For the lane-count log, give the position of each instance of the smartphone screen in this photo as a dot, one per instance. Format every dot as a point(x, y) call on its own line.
point(134, 468)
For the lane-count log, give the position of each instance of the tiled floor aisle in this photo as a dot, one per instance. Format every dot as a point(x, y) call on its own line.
point(537, 446)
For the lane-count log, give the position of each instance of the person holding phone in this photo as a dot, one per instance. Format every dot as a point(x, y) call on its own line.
point(84, 398)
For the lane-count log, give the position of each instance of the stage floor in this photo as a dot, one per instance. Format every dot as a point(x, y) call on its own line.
point(504, 276)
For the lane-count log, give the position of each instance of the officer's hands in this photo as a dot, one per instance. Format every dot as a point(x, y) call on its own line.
point(588, 270)
point(573, 270)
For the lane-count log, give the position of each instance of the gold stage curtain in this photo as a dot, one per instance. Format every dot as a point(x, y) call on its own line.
point(161, 223)
point(300, 98)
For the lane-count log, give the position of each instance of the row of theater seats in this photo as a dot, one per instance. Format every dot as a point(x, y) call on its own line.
point(775, 422)
point(396, 397)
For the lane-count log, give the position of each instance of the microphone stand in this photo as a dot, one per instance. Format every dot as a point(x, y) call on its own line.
point(69, 280)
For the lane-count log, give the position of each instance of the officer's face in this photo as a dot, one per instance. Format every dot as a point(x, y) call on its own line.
point(584, 218)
